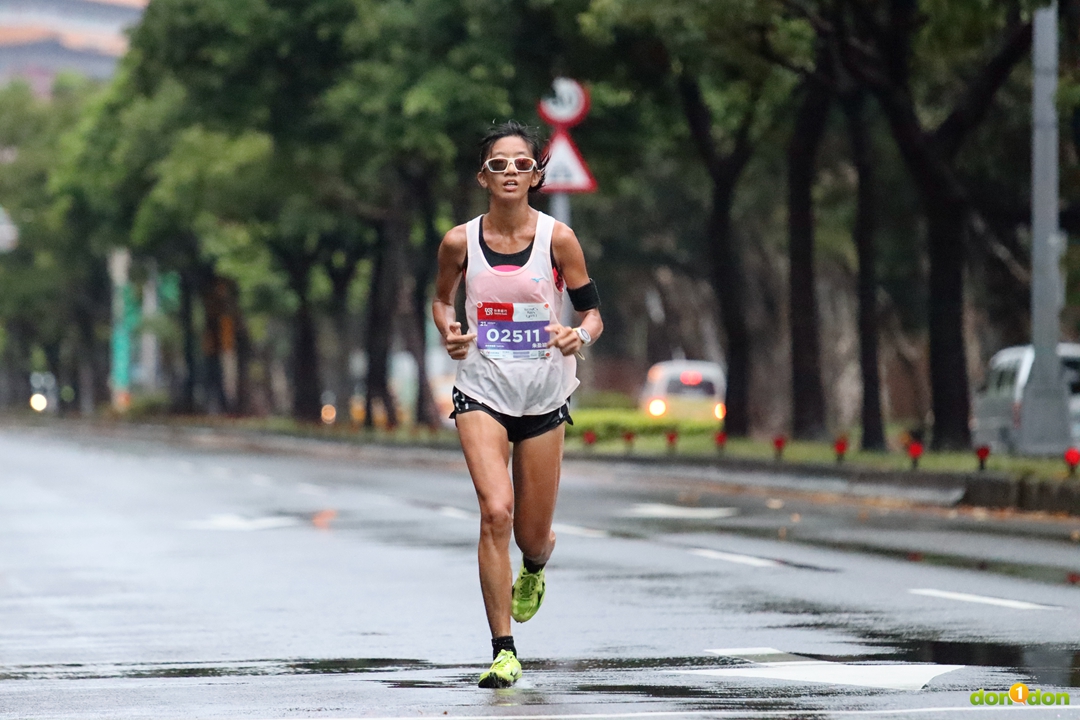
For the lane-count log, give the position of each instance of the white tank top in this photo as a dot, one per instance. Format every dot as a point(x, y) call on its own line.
point(509, 367)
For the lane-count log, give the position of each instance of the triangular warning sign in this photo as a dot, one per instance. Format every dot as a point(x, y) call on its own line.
point(566, 171)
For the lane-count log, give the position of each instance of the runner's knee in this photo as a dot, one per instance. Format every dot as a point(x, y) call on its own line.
point(497, 518)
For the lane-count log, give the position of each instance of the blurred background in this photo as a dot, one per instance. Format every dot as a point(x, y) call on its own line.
point(232, 207)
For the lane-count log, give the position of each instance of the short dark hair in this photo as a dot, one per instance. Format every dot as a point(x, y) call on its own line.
point(512, 128)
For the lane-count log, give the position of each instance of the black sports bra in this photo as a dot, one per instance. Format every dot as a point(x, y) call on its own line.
point(495, 259)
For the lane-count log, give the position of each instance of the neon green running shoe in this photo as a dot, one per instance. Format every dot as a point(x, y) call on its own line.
point(504, 672)
point(528, 594)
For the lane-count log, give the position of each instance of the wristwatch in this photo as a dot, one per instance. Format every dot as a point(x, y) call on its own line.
point(586, 338)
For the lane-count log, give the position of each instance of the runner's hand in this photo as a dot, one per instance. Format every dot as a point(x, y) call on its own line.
point(564, 338)
point(457, 345)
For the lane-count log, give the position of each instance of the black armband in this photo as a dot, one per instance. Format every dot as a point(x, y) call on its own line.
point(585, 297)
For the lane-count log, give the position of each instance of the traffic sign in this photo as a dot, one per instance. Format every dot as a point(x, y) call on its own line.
point(568, 106)
point(566, 171)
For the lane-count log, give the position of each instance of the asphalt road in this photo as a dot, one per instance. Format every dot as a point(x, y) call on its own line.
point(141, 579)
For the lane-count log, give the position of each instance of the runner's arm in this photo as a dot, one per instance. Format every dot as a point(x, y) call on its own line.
point(451, 260)
point(571, 263)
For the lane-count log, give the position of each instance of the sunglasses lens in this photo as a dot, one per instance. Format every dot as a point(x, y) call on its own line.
point(497, 164)
point(523, 164)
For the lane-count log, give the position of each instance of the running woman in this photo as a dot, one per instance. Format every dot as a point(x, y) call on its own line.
point(517, 371)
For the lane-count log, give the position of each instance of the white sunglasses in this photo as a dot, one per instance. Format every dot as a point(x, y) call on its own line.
point(501, 165)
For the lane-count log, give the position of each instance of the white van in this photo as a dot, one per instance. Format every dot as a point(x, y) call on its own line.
point(997, 404)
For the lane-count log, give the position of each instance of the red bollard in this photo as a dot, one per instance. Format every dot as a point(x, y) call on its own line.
point(914, 451)
point(779, 442)
point(982, 452)
point(628, 438)
point(589, 437)
point(1072, 459)
point(672, 440)
point(840, 446)
point(721, 441)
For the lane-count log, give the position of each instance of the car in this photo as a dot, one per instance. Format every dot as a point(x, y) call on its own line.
point(685, 390)
point(996, 421)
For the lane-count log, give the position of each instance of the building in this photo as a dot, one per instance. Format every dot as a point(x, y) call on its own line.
point(41, 38)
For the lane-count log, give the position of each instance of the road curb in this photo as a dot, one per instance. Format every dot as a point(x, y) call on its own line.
point(978, 489)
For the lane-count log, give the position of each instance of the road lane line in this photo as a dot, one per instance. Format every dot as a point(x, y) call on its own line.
point(679, 512)
point(982, 599)
point(457, 513)
point(735, 558)
point(229, 521)
point(579, 531)
point(819, 672)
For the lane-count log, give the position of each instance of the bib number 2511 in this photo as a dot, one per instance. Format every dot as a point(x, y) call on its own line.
point(513, 330)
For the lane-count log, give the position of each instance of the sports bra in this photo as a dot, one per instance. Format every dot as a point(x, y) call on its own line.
point(498, 259)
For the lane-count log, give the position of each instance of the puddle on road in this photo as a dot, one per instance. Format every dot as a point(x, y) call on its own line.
point(71, 671)
point(1047, 664)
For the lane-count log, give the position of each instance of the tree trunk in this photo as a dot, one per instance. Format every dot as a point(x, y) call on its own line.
point(423, 274)
point(726, 266)
point(341, 273)
point(214, 311)
point(307, 388)
point(808, 416)
point(930, 157)
point(948, 359)
point(384, 296)
point(85, 370)
point(186, 402)
point(728, 285)
point(873, 431)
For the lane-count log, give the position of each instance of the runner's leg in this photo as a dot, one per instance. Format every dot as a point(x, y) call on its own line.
point(537, 465)
point(487, 453)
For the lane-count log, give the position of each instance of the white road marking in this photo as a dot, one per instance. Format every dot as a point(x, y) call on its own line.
point(228, 521)
point(579, 531)
point(458, 513)
point(734, 558)
point(885, 677)
point(982, 599)
point(796, 668)
point(659, 510)
point(762, 655)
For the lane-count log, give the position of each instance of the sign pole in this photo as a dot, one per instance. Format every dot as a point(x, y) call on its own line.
point(1044, 412)
point(560, 210)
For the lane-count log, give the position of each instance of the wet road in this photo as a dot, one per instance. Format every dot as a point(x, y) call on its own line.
point(145, 580)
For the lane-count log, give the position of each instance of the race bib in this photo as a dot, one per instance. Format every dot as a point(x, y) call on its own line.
point(513, 330)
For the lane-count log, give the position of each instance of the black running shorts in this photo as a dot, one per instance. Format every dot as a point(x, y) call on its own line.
point(517, 428)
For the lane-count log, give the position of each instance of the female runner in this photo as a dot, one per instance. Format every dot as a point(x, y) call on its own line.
point(516, 373)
